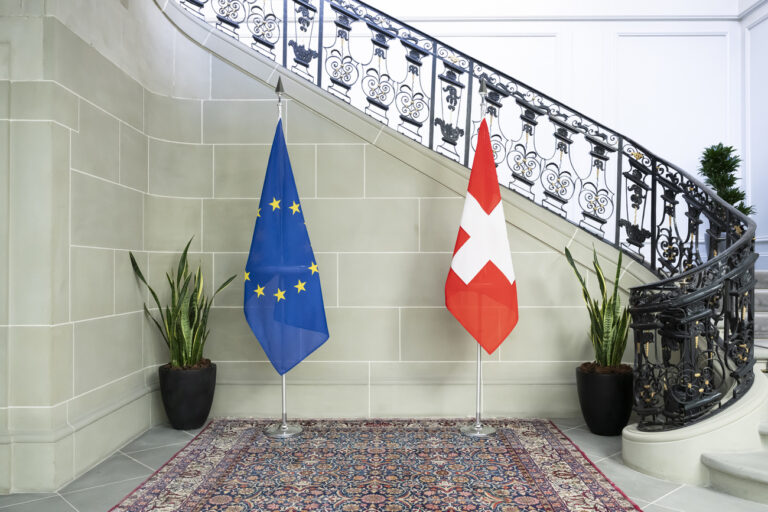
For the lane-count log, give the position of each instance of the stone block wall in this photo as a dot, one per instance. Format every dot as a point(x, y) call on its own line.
point(101, 155)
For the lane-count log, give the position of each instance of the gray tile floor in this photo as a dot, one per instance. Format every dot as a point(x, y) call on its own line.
point(106, 484)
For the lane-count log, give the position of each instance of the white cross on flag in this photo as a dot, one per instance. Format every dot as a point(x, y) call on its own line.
point(480, 290)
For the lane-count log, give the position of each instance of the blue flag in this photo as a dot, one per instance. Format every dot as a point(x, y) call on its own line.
point(283, 301)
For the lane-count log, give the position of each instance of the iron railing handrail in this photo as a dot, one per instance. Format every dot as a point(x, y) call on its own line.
point(698, 318)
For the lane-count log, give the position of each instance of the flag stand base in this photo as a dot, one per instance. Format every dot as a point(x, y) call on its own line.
point(282, 431)
point(478, 430)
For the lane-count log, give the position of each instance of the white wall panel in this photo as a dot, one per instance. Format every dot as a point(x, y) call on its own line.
point(671, 92)
point(532, 58)
point(757, 129)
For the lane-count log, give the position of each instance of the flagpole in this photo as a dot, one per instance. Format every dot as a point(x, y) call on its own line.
point(478, 429)
point(283, 430)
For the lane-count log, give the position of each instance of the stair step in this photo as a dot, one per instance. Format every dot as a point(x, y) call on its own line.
point(761, 351)
point(742, 474)
point(762, 279)
point(761, 325)
point(763, 429)
point(761, 300)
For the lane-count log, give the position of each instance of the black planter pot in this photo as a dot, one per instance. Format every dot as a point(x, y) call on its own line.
point(187, 395)
point(606, 400)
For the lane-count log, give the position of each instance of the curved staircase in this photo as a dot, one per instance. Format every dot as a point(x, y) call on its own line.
point(745, 474)
point(694, 328)
point(761, 319)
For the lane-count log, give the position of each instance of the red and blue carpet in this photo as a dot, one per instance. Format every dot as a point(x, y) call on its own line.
point(380, 465)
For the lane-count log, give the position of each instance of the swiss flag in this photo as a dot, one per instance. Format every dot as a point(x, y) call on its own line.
point(481, 291)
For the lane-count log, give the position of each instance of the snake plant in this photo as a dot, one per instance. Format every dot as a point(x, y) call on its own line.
point(609, 322)
point(184, 322)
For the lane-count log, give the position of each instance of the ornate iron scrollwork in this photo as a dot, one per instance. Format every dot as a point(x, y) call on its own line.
point(451, 88)
point(596, 198)
point(523, 158)
point(264, 26)
point(378, 86)
point(342, 69)
point(230, 14)
point(303, 52)
point(411, 100)
point(495, 95)
point(558, 177)
point(693, 329)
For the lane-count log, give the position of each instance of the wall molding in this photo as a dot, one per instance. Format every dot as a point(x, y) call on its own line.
point(59, 433)
point(752, 8)
point(575, 18)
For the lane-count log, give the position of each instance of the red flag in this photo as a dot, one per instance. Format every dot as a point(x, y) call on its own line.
point(481, 291)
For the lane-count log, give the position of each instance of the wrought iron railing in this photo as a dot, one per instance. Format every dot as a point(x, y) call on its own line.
point(693, 330)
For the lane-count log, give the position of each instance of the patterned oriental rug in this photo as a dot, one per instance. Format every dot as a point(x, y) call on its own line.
point(380, 465)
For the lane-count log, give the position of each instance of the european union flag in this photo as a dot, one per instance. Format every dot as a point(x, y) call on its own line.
point(283, 301)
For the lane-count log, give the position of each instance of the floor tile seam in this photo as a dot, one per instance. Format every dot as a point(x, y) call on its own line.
point(136, 461)
point(67, 502)
point(564, 430)
point(606, 457)
point(143, 450)
point(107, 484)
point(656, 501)
point(3, 507)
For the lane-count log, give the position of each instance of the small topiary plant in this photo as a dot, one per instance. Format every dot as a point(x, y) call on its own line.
point(719, 165)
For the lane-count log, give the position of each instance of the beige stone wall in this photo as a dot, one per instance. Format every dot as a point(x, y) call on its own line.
point(108, 151)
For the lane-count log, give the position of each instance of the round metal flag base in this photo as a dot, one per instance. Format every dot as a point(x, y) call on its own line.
point(282, 431)
point(478, 430)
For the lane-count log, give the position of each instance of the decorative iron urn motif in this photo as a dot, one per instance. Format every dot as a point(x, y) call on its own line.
point(693, 329)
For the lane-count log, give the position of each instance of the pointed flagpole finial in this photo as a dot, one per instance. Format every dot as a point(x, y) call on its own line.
point(279, 90)
point(483, 96)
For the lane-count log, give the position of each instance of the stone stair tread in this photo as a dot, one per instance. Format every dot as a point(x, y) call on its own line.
point(761, 350)
point(762, 279)
point(761, 300)
point(744, 465)
point(761, 322)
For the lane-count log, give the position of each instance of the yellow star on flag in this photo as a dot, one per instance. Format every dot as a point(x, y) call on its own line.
point(300, 287)
point(258, 213)
point(313, 268)
point(259, 291)
point(294, 208)
point(275, 204)
point(247, 276)
point(280, 295)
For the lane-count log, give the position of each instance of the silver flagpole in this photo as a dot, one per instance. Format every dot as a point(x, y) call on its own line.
point(478, 429)
point(282, 430)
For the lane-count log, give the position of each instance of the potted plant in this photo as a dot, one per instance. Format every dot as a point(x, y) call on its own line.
point(605, 385)
point(187, 382)
point(719, 165)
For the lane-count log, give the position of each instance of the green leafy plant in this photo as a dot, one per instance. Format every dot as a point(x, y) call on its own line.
point(609, 322)
point(719, 165)
point(184, 322)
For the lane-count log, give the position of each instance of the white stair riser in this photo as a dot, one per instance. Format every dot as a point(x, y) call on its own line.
point(739, 486)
